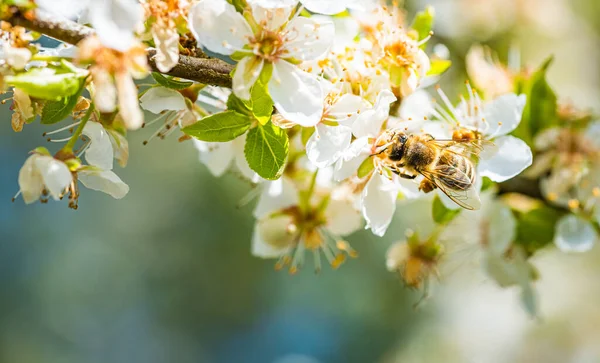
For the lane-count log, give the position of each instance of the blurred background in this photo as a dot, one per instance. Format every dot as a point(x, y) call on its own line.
point(166, 274)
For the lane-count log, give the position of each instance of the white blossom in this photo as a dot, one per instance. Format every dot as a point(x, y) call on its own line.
point(277, 40)
point(43, 172)
point(574, 234)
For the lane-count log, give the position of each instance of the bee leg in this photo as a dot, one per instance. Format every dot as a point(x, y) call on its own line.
point(426, 186)
point(406, 176)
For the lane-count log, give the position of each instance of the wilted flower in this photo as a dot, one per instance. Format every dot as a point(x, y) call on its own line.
point(274, 36)
point(23, 110)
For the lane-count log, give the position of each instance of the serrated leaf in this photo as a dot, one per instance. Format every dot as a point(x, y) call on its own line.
point(56, 111)
point(219, 127)
point(423, 22)
point(535, 229)
point(46, 84)
point(439, 66)
point(266, 150)
point(365, 167)
point(441, 214)
point(169, 82)
point(262, 104)
point(541, 109)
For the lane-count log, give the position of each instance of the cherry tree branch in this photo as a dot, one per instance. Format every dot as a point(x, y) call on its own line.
point(210, 71)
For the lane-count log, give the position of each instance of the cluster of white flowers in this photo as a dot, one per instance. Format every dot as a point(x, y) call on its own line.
point(320, 115)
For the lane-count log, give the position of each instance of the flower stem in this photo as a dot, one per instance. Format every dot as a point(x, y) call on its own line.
point(71, 143)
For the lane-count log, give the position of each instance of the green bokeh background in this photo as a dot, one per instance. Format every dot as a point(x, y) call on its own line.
point(166, 274)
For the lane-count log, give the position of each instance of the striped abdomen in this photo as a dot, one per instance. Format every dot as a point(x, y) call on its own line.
point(455, 171)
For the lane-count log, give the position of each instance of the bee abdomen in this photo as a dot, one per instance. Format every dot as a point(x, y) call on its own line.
point(457, 175)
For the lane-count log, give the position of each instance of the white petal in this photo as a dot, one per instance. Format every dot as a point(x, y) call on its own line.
point(129, 107)
point(327, 144)
point(501, 227)
point(100, 152)
point(308, 38)
point(504, 113)
point(215, 155)
point(297, 95)
point(246, 73)
point(166, 41)
point(574, 234)
point(120, 147)
point(513, 155)
point(30, 180)
point(272, 13)
point(158, 99)
point(417, 106)
point(351, 159)
point(346, 108)
point(64, 8)
point(342, 218)
point(104, 181)
point(378, 203)
point(369, 122)
point(276, 195)
point(115, 21)
point(271, 237)
point(16, 57)
point(55, 173)
point(218, 27)
point(105, 92)
point(327, 7)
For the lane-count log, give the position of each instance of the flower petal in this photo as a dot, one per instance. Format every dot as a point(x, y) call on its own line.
point(218, 26)
point(327, 144)
point(129, 107)
point(272, 14)
point(215, 155)
point(417, 106)
point(104, 181)
point(501, 228)
point(276, 195)
point(504, 113)
point(120, 147)
point(512, 156)
point(346, 108)
point(369, 122)
point(105, 92)
point(115, 21)
point(342, 218)
point(351, 159)
point(308, 38)
point(297, 95)
point(574, 234)
point(158, 99)
point(166, 41)
point(271, 237)
point(100, 152)
point(57, 176)
point(31, 183)
point(379, 203)
point(246, 73)
point(327, 7)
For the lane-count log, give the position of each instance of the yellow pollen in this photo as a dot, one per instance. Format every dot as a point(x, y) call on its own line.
point(293, 270)
point(552, 196)
point(573, 204)
point(338, 260)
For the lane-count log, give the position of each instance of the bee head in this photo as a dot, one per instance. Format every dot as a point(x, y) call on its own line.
point(397, 146)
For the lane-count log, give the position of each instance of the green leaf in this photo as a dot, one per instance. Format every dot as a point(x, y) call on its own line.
point(56, 111)
point(541, 109)
point(262, 104)
point(169, 82)
point(266, 150)
point(535, 228)
point(423, 22)
point(365, 167)
point(219, 127)
point(441, 214)
point(238, 105)
point(46, 84)
point(439, 66)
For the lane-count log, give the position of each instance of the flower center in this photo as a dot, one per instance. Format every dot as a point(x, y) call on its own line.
point(267, 45)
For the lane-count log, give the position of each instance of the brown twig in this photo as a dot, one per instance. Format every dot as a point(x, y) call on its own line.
point(204, 70)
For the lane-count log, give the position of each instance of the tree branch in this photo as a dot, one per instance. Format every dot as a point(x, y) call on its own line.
point(210, 71)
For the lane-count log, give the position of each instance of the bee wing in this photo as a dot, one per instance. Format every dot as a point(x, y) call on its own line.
point(466, 198)
point(469, 149)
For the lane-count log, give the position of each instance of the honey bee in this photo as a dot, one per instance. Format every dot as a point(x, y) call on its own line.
point(444, 164)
